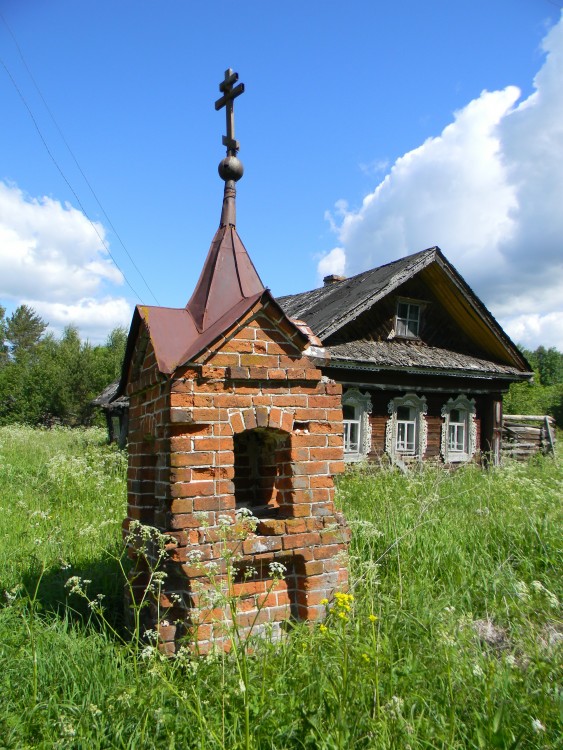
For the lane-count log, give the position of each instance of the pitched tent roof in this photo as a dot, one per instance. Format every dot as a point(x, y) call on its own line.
point(330, 308)
point(228, 287)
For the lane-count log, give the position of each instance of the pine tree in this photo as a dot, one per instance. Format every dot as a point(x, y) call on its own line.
point(24, 330)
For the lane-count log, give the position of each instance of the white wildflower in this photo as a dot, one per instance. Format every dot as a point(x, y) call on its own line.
point(277, 569)
point(537, 726)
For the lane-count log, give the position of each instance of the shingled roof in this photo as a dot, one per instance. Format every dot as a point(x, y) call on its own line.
point(329, 309)
point(409, 356)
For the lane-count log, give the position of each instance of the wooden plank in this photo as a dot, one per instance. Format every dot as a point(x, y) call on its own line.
point(549, 435)
point(519, 417)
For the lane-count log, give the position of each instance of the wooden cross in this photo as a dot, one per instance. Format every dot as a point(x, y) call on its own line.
point(229, 94)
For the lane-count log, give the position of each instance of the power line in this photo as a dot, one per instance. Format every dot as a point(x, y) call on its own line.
point(108, 220)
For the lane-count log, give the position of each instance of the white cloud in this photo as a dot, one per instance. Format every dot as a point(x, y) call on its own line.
point(332, 263)
point(487, 190)
point(54, 259)
point(95, 318)
point(529, 329)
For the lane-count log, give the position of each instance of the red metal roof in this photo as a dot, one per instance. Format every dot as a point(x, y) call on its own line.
point(228, 276)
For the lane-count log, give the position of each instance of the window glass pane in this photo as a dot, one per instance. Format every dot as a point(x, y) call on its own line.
point(349, 411)
point(408, 319)
point(456, 437)
point(410, 437)
point(413, 327)
point(406, 432)
point(405, 413)
point(403, 310)
point(351, 437)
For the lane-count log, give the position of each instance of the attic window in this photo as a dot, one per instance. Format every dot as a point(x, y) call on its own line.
point(408, 319)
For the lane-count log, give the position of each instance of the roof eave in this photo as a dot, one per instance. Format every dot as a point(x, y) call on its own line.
point(351, 364)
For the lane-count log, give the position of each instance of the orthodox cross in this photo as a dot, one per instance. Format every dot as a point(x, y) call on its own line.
point(229, 94)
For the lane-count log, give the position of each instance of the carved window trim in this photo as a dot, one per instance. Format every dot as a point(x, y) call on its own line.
point(361, 402)
point(466, 407)
point(418, 404)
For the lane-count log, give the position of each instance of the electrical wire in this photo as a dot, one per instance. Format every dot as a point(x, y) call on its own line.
point(108, 220)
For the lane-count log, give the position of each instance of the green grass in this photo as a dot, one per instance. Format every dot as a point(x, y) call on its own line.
point(453, 639)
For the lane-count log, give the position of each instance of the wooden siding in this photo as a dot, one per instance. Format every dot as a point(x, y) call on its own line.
point(434, 421)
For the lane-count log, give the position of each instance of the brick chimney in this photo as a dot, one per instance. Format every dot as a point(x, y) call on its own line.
point(333, 278)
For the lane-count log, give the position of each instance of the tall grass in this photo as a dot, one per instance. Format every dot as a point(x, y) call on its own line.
point(452, 638)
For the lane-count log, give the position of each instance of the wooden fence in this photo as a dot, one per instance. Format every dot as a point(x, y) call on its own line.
point(526, 434)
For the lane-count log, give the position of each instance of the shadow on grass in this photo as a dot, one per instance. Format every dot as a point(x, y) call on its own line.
point(52, 596)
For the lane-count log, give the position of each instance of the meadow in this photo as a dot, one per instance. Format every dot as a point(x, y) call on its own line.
point(450, 637)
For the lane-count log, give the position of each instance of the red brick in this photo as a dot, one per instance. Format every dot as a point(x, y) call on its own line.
point(237, 422)
point(192, 489)
point(307, 539)
point(222, 428)
point(275, 417)
point(326, 454)
point(238, 373)
point(180, 475)
point(191, 459)
point(325, 402)
point(210, 444)
point(258, 373)
point(307, 414)
point(249, 419)
point(224, 360)
point(277, 374)
point(182, 505)
point(321, 481)
point(308, 441)
point(207, 503)
point(232, 400)
point(325, 427)
point(258, 360)
point(181, 399)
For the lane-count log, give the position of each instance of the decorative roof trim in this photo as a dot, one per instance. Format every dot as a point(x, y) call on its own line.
point(348, 364)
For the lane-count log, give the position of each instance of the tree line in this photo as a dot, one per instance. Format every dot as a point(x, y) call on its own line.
point(45, 379)
point(545, 394)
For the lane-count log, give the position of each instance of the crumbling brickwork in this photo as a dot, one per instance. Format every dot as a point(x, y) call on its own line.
point(248, 426)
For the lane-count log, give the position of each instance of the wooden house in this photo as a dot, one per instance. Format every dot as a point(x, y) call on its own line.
point(423, 363)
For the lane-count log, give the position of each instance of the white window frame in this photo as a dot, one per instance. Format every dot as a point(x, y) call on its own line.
point(466, 407)
point(392, 431)
point(361, 403)
point(403, 323)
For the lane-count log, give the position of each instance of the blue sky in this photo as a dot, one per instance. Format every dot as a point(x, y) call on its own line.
point(368, 131)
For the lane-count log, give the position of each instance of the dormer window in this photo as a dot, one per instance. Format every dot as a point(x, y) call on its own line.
point(408, 319)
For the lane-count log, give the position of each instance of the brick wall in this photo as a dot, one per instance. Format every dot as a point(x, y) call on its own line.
point(249, 424)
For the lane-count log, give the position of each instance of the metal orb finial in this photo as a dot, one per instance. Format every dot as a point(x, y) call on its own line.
point(230, 168)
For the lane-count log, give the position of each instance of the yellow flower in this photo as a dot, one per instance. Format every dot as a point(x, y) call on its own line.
point(373, 618)
point(324, 602)
point(365, 657)
point(323, 628)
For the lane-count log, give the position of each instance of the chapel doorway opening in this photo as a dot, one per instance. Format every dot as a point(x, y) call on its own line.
point(262, 471)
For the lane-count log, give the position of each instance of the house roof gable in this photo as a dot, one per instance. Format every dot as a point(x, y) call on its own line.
point(329, 309)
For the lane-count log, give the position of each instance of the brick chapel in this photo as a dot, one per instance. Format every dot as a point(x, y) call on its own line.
point(227, 412)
